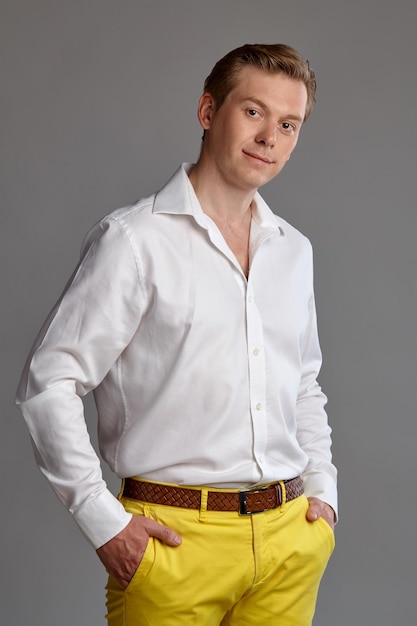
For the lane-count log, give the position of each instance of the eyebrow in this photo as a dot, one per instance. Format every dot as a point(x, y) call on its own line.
point(290, 116)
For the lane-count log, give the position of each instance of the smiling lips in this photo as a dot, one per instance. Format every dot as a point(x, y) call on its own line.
point(258, 157)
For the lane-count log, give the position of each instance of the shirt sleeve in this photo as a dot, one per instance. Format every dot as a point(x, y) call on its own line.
point(90, 326)
point(313, 430)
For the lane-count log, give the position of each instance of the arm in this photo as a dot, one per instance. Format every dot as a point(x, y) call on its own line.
point(313, 431)
point(82, 338)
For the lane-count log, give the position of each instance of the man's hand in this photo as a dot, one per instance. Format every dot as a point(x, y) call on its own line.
point(122, 554)
point(317, 509)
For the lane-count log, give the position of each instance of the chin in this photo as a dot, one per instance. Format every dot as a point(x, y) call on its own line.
point(257, 181)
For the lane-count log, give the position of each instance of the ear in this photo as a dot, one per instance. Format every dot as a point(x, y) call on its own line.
point(206, 106)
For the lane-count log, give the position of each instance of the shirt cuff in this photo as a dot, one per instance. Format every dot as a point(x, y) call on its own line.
point(323, 487)
point(101, 518)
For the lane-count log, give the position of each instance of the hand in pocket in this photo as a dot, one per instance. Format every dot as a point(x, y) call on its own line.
point(122, 555)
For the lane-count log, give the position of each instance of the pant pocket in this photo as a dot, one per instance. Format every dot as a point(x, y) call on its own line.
point(144, 566)
point(328, 532)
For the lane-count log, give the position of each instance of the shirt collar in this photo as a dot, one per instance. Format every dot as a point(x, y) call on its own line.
point(178, 197)
point(264, 217)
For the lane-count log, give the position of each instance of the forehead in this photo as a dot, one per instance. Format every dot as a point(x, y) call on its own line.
point(275, 89)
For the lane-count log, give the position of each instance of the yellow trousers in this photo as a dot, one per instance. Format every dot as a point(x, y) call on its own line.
point(230, 570)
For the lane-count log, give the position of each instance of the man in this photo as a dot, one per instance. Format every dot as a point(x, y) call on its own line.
point(191, 316)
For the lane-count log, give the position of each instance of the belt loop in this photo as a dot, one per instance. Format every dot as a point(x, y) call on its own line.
point(283, 493)
point(122, 488)
point(203, 504)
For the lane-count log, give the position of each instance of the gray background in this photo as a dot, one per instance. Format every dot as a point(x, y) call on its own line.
point(99, 106)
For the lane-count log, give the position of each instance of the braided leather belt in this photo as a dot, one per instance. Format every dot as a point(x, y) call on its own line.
point(245, 502)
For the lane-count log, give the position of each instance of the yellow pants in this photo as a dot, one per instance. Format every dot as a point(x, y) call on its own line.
point(230, 570)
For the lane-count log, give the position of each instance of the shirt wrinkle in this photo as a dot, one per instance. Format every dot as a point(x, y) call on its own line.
point(125, 412)
point(135, 251)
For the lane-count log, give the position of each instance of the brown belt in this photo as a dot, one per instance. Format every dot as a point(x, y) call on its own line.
point(245, 502)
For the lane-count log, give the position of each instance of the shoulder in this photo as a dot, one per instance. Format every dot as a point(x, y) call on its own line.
point(131, 215)
point(146, 215)
point(119, 224)
point(291, 235)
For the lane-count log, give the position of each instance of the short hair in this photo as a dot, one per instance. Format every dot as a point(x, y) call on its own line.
point(274, 58)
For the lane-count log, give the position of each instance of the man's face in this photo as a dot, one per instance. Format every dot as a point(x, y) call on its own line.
point(252, 135)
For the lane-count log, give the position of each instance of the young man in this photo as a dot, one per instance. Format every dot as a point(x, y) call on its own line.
point(191, 316)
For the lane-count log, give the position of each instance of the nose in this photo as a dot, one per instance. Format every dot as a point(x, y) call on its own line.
point(267, 135)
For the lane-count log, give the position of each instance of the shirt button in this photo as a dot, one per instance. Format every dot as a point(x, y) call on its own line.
point(256, 351)
point(258, 406)
point(261, 460)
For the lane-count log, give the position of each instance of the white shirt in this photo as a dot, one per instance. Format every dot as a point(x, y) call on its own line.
point(200, 376)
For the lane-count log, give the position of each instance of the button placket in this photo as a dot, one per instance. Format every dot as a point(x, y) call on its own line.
point(257, 376)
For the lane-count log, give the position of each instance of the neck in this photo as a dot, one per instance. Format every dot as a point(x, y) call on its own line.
point(218, 199)
point(229, 207)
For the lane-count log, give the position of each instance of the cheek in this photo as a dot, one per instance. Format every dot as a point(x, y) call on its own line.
point(286, 154)
point(293, 144)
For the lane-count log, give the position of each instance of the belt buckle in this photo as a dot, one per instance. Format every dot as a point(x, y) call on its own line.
point(243, 507)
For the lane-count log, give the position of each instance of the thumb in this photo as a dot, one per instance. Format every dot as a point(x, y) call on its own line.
point(164, 533)
point(318, 508)
point(314, 510)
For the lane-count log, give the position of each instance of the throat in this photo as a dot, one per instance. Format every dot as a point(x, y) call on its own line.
point(237, 236)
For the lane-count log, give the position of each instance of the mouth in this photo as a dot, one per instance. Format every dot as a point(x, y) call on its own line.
point(258, 157)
